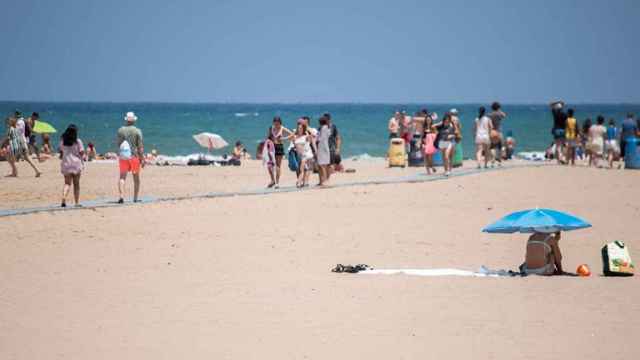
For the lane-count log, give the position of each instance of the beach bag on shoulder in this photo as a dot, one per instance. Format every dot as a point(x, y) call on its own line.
point(294, 164)
point(125, 151)
point(458, 133)
point(616, 260)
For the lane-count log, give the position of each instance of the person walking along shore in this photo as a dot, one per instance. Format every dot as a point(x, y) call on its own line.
point(71, 164)
point(16, 146)
point(324, 151)
point(130, 155)
point(483, 129)
point(278, 133)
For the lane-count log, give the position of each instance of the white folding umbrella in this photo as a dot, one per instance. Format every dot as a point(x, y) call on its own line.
point(210, 141)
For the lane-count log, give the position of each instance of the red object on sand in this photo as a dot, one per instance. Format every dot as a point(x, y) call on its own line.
point(583, 270)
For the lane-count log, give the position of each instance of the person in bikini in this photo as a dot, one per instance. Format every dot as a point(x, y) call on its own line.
point(571, 138)
point(279, 133)
point(428, 143)
point(543, 256)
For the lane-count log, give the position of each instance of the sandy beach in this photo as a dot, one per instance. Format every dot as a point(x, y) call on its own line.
point(249, 277)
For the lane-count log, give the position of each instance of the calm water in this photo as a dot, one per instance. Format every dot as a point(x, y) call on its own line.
point(169, 127)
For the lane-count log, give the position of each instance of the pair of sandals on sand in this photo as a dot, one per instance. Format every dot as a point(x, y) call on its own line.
point(352, 269)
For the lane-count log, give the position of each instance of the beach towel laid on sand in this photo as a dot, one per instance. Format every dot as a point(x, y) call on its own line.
point(482, 272)
point(366, 269)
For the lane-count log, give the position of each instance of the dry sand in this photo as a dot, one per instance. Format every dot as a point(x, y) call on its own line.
point(248, 277)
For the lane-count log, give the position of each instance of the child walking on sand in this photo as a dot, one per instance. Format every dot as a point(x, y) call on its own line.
point(72, 155)
point(269, 158)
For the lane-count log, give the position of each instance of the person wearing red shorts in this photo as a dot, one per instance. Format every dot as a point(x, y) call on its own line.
point(130, 155)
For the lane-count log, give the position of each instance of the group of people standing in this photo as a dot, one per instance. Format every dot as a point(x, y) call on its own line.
point(311, 150)
point(430, 136)
point(598, 141)
point(422, 131)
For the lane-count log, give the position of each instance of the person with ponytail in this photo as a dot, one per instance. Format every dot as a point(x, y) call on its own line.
point(72, 164)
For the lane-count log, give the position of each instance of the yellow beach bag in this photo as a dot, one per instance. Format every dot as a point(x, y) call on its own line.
point(616, 260)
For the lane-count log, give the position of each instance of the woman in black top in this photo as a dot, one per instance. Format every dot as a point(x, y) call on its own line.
point(279, 133)
point(446, 143)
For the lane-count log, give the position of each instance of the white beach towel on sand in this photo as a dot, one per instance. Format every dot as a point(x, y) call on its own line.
point(482, 272)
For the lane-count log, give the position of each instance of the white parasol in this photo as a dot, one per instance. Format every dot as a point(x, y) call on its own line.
point(210, 141)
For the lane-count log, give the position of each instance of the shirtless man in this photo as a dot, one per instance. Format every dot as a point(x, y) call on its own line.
point(394, 125)
point(418, 123)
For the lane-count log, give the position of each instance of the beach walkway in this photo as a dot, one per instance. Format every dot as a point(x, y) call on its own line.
point(413, 178)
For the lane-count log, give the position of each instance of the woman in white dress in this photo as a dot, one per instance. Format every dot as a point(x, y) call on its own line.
point(596, 141)
point(323, 153)
point(483, 129)
point(303, 142)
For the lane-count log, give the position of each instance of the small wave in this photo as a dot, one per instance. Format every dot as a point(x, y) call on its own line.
point(365, 157)
point(531, 155)
point(246, 114)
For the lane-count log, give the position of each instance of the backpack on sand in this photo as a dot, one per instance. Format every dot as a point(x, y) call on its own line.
point(616, 260)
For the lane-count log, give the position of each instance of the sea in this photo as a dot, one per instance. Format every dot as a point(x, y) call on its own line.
point(169, 127)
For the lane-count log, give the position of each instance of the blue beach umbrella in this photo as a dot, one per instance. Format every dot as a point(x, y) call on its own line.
point(536, 220)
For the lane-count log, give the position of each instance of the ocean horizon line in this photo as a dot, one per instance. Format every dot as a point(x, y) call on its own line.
point(411, 103)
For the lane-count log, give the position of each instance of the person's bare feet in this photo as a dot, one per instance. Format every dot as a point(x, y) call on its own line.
point(11, 175)
point(38, 174)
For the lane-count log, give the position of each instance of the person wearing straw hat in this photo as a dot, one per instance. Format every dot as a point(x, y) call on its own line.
point(130, 155)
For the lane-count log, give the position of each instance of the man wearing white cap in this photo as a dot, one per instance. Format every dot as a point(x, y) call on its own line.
point(130, 155)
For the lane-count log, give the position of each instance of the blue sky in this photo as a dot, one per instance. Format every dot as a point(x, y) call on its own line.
point(320, 51)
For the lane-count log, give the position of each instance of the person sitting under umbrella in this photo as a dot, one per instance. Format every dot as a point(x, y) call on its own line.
point(543, 256)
